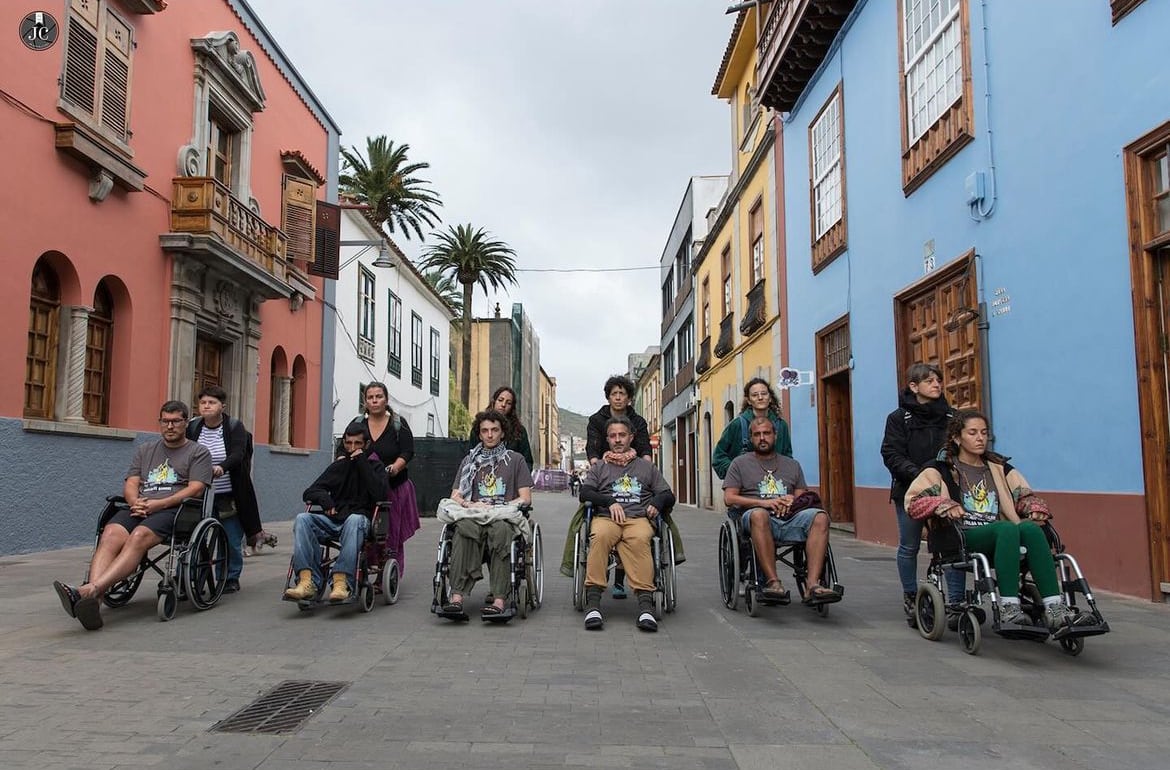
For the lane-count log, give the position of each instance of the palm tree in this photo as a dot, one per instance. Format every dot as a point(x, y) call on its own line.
point(470, 256)
point(447, 288)
point(384, 180)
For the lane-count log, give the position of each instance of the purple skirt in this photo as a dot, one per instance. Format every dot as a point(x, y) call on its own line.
point(403, 520)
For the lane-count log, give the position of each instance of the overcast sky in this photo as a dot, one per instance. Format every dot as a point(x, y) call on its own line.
point(568, 129)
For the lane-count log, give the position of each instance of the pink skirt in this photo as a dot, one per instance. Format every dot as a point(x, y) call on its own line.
point(404, 520)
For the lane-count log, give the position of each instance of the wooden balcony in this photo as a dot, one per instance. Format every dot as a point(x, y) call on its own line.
point(794, 40)
point(213, 226)
point(756, 313)
point(726, 339)
point(704, 361)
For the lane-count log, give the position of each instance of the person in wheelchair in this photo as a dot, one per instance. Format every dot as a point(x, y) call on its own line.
point(760, 489)
point(161, 476)
point(991, 502)
point(626, 497)
point(346, 493)
point(492, 484)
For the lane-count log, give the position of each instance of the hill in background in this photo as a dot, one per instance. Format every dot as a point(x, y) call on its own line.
point(571, 423)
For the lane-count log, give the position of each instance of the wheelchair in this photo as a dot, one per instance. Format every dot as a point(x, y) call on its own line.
point(739, 574)
point(376, 571)
point(662, 555)
point(195, 559)
point(526, 571)
point(947, 547)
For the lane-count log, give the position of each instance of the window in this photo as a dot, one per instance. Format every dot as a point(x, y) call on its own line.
point(668, 293)
point(756, 234)
point(826, 140)
point(365, 342)
point(746, 107)
point(682, 266)
point(726, 260)
point(1159, 166)
point(686, 343)
point(416, 350)
point(936, 103)
point(95, 83)
point(298, 218)
point(668, 363)
point(706, 328)
point(434, 361)
point(99, 336)
point(222, 149)
point(394, 364)
point(430, 424)
point(40, 371)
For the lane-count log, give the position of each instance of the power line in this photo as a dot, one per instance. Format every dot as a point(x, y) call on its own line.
point(583, 269)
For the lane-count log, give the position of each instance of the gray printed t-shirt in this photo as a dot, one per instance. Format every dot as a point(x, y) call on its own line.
point(499, 483)
point(764, 478)
point(164, 470)
point(632, 486)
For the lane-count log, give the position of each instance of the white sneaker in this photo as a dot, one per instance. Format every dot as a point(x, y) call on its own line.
point(594, 620)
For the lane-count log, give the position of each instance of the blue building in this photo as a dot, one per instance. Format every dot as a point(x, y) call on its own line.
point(985, 186)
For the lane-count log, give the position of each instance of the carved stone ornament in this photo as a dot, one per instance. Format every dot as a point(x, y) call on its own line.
point(190, 160)
point(226, 302)
point(222, 51)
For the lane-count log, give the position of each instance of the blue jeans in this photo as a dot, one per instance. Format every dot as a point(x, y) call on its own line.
point(312, 529)
point(235, 539)
point(909, 540)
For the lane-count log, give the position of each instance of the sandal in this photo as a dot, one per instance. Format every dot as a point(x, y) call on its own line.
point(453, 608)
point(776, 592)
point(491, 611)
point(818, 595)
point(69, 597)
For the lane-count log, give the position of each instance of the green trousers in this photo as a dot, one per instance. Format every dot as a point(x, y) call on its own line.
point(467, 555)
point(579, 519)
point(1001, 540)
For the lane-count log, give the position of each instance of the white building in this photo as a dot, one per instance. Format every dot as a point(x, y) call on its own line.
point(391, 327)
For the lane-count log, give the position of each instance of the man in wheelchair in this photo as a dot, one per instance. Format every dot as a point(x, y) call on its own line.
point(626, 498)
point(765, 494)
point(492, 484)
point(346, 494)
point(161, 476)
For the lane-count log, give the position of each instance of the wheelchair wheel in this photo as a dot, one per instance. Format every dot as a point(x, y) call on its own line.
point(728, 565)
point(536, 570)
point(970, 636)
point(751, 603)
point(365, 596)
point(168, 603)
point(1074, 646)
point(659, 605)
point(390, 582)
point(579, 557)
point(204, 566)
point(123, 591)
point(522, 598)
point(442, 586)
point(929, 612)
point(669, 577)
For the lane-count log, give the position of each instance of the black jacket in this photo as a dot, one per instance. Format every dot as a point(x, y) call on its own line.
point(238, 465)
point(595, 441)
point(914, 435)
point(349, 486)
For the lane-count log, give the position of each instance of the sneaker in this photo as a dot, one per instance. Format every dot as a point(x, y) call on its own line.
point(1057, 616)
point(646, 622)
point(1013, 614)
point(594, 620)
point(231, 586)
point(619, 591)
point(908, 605)
point(953, 613)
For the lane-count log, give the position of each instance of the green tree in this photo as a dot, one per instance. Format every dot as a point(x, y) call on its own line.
point(447, 288)
point(458, 417)
point(470, 256)
point(384, 180)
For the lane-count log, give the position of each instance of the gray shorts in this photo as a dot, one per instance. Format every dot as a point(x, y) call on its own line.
point(794, 530)
point(161, 523)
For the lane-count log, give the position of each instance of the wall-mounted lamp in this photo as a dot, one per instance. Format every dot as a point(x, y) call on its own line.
point(383, 260)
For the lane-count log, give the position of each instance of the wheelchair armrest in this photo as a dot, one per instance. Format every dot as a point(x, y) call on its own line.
point(526, 509)
point(1053, 538)
point(118, 499)
point(310, 508)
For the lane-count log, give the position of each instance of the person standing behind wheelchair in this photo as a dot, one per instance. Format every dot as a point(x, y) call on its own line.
point(393, 443)
point(915, 432)
point(504, 402)
point(230, 445)
point(759, 400)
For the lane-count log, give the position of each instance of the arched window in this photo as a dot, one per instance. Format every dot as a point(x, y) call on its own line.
point(40, 372)
point(728, 413)
point(99, 340)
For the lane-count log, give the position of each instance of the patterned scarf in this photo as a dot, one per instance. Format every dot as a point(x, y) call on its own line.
point(476, 459)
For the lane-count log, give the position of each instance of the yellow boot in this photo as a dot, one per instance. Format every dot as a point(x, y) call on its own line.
point(340, 590)
point(305, 587)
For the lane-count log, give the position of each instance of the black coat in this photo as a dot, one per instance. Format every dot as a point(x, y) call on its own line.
point(595, 441)
point(238, 465)
point(349, 486)
point(914, 435)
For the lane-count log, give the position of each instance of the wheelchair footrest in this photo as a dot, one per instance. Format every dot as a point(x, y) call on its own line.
point(1014, 631)
point(1076, 632)
point(503, 617)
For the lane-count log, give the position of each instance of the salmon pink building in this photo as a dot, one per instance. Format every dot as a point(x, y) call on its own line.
point(165, 225)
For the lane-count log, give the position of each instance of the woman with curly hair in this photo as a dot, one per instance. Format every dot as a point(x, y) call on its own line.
point(505, 402)
point(998, 512)
point(759, 400)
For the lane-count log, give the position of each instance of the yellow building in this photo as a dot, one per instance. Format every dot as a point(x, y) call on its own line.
point(648, 402)
point(549, 430)
point(738, 282)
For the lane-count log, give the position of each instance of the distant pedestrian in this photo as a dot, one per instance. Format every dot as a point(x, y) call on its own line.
point(759, 400)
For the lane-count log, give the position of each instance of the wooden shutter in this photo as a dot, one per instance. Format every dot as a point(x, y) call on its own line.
point(297, 217)
point(327, 256)
point(81, 52)
point(115, 102)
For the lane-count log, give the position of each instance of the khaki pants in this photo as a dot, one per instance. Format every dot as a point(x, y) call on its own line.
point(632, 539)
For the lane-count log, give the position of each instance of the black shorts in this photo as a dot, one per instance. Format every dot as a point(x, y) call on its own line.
point(161, 523)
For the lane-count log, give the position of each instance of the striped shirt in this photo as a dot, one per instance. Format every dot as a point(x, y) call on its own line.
point(212, 438)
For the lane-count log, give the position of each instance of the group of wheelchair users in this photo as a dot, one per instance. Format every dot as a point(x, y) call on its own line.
point(191, 490)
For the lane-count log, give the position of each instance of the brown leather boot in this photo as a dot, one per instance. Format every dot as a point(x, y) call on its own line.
point(305, 587)
point(340, 590)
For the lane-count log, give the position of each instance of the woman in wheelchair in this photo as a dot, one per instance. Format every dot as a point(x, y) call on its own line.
point(997, 512)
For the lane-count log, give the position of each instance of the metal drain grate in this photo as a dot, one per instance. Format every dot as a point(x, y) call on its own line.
point(283, 709)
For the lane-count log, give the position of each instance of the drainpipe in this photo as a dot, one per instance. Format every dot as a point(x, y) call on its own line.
point(984, 325)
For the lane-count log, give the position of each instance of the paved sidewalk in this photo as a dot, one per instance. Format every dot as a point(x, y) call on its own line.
point(713, 689)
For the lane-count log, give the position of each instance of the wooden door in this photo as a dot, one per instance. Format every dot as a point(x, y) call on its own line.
point(1159, 514)
point(835, 417)
point(938, 323)
point(208, 365)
